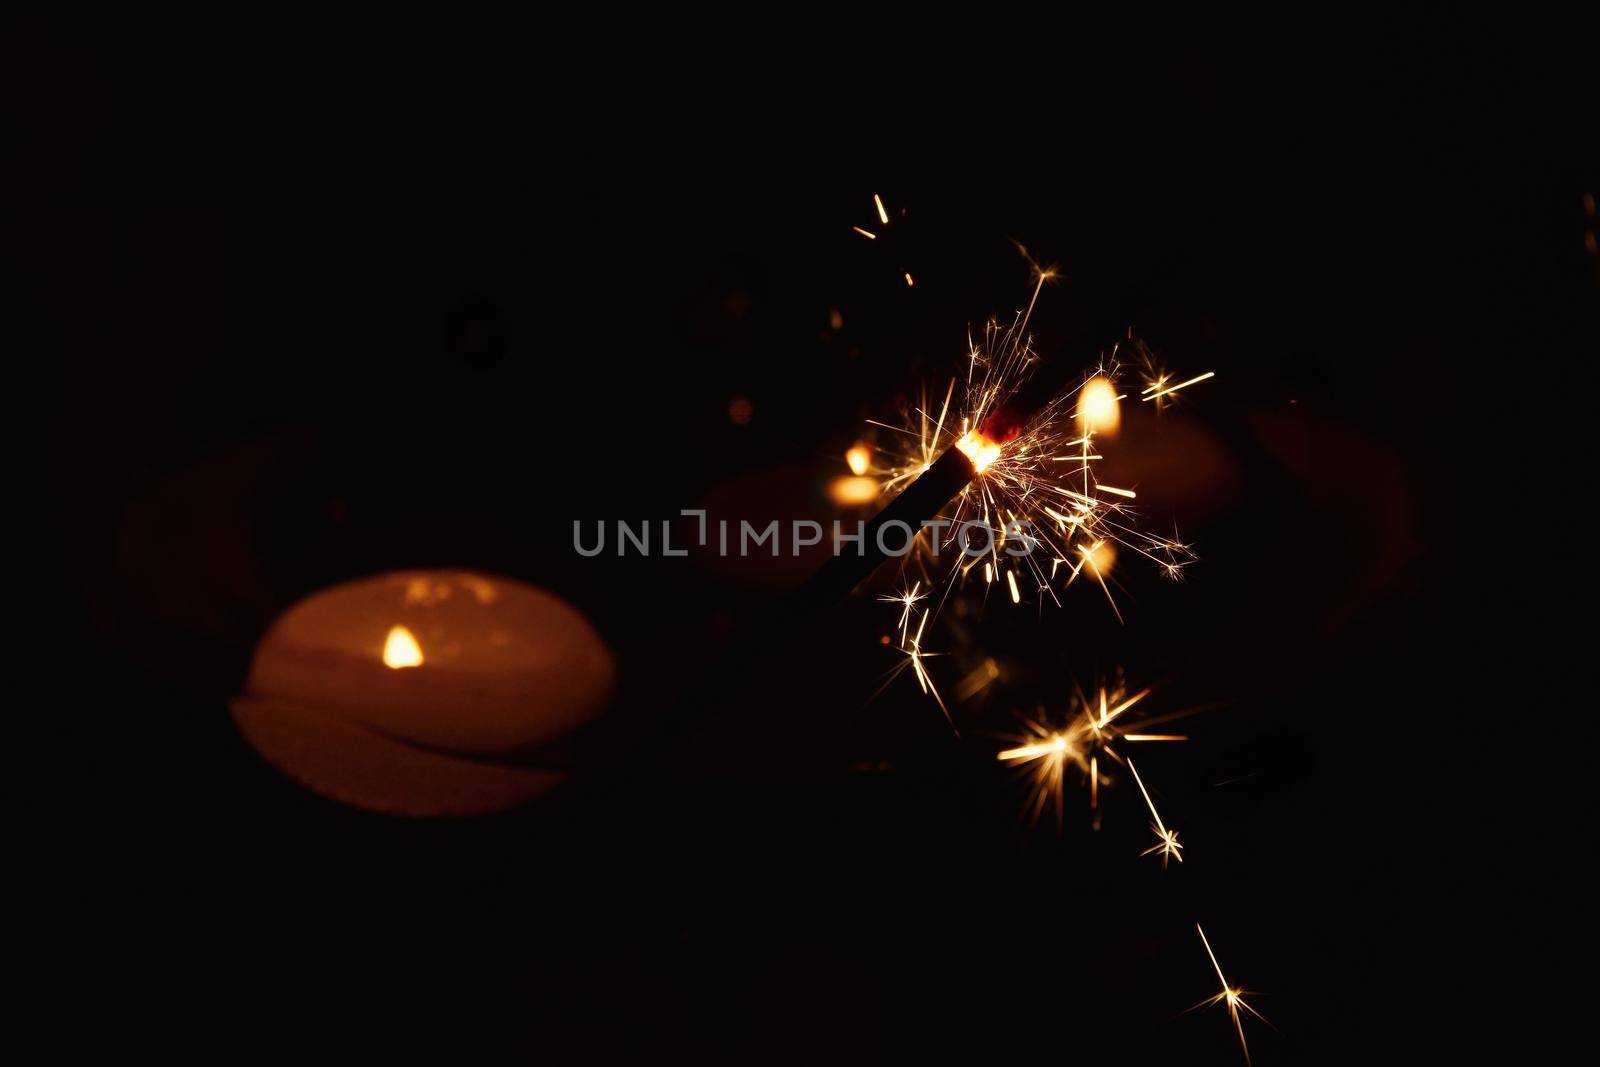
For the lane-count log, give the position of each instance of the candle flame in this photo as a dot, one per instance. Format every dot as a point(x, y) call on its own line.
point(400, 649)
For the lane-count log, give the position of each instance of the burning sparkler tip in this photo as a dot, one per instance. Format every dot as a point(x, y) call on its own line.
point(979, 449)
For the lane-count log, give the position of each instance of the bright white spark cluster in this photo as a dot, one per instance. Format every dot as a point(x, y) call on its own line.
point(1036, 518)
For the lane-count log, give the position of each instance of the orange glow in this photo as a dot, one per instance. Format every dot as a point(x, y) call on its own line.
point(400, 649)
point(853, 489)
point(1097, 407)
point(978, 448)
point(1099, 558)
point(859, 457)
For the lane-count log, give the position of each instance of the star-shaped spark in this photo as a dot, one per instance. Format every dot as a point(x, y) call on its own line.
point(1167, 843)
point(1159, 386)
point(914, 657)
point(1088, 740)
point(1232, 996)
point(907, 599)
point(1052, 751)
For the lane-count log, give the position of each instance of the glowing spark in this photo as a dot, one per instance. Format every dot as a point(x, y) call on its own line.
point(907, 600)
point(869, 236)
point(915, 656)
point(1159, 389)
point(1233, 997)
point(1052, 752)
point(909, 282)
point(1092, 735)
point(400, 649)
point(1168, 846)
point(1157, 382)
point(1107, 716)
point(1016, 597)
point(929, 445)
point(883, 216)
point(1087, 738)
point(1055, 745)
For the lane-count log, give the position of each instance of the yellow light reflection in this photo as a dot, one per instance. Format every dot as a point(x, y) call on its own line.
point(852, 490)
point(859, 457)
point(1098, 411)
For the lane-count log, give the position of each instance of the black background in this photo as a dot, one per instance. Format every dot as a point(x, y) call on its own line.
point(271, 267)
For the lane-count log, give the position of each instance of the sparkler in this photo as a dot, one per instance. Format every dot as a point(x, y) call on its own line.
point(1231, 996)
point(1031, 485)
point(1047, 519)
point(1034, 482)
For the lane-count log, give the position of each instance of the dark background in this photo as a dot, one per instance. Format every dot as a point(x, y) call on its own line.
point(267, 269)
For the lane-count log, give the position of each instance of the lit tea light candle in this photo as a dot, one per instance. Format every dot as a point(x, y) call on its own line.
point(415, 692)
